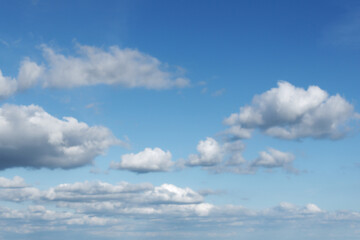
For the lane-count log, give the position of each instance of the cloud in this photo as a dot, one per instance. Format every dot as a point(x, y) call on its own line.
point(16, 190)
point(28, 75)
point(289, 112)
point(274, 159)
point(126, 194)
point(219, 92)
point(227, 157)
point(16, 182)
point(149, 160)
point(233, 150)
point(30, 137)
point(207, 192)
point(345, 31)
point(105, 197)
point(123, 209)
point(237, 132)
point(168, 193)
point(126, 67)
point(209, 154)
point(8, 86)
point(94, 191)
point(2, 41)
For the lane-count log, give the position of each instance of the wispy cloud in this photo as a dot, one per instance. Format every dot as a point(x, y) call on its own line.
point(2, 41)
point(346, 31)
point(219, 92)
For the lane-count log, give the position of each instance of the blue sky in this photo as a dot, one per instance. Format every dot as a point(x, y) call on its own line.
point(179, 120)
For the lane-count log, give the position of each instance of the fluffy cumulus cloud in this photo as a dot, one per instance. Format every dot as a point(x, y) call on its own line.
point(149, 160)
point(125, 210)
point(290, 112)
point(127, 67)
point(227, 157)
point(209, 153)
point(31, 137)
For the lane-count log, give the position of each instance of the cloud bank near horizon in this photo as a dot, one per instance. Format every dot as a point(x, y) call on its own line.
point(94, 208)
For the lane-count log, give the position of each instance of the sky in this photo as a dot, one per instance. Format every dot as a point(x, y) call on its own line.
point(179, 119)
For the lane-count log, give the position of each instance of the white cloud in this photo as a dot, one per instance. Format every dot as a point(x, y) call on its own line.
point(149, 160)
point(168, 193)
point(28, 76)
point(209, 153)
point(16, 182)
point(98, 196)
point(16, 190)
point(96, 191)
point(234, 151)
point(312, 208)
point(126, 67)
point(293, 113)
point(8, 85)
point(125, 208)
point(237, 132)
point(227, 157)
point(122, 194)
point(274, 158)
point(30, 137)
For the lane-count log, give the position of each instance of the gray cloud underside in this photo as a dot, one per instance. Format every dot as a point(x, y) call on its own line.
point(125, 209)
point(129, 68)
point(30, 137)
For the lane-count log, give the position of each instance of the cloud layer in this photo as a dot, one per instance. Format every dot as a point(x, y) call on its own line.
point(95, 209)
point(30, 137)
point(293, 113)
